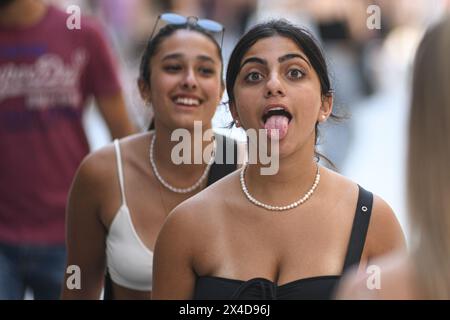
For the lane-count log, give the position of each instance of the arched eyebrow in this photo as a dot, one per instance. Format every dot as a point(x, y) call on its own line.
point(180, 55)
point(280, 59)
point(255, 60)
point(292, 56)
point(205, 58)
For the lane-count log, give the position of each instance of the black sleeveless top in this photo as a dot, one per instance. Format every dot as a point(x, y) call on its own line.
point(225, 163)
point(318, 288)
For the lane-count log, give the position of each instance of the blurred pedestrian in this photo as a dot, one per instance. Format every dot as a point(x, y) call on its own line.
point(47, 74)
point(425, 272)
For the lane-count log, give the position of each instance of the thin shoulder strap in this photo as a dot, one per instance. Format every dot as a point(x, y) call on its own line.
point(359, 228)
point(226, 159)
point(119, 170)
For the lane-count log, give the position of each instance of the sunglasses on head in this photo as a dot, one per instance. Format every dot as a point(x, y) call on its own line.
point(176, 19)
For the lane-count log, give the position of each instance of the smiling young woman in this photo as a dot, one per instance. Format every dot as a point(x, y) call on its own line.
point(122, 194)
point(308, 224)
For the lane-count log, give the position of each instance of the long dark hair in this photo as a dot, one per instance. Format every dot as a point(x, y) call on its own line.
point(152, 48)
point(305, 41)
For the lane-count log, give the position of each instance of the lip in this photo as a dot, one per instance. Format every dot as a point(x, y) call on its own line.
point(272, 106)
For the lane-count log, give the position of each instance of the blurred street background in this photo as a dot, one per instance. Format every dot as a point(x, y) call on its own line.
point(370, 69)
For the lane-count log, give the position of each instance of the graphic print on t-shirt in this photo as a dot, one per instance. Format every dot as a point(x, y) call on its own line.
point(47, 82)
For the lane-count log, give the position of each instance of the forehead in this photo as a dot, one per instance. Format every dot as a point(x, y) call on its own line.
point(272, 48)
point(189, 43)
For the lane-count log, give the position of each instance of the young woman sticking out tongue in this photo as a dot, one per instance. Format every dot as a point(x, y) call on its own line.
point(284, 236)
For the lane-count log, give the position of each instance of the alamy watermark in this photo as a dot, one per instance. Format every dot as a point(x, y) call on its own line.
point(73, 22)
point(73, 281)
point(374, 279)
point(374, 19)
point(258, 148)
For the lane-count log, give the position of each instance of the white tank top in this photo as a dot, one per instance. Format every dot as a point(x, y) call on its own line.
point(129, 261)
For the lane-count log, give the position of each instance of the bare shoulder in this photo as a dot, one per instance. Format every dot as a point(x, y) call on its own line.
point(96, 168)
point(199, 217)
point(390, 277)
point(136, 142)
point(207, 206)
point(102, 163)
point(384, 234)
point(183, 229)
point(219, 192)
point(338, 185)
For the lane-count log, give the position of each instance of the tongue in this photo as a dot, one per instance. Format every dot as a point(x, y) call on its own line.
point(275, 123)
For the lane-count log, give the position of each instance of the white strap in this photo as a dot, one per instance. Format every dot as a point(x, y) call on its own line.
point(119, 170)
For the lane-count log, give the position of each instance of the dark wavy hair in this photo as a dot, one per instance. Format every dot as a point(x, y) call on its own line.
point(305, 41)
point(153, 45)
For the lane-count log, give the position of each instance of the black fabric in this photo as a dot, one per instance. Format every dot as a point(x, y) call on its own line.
point(224, 164)
point(225, 160)
point(359, 229)
point(217, 288)
point(318, 288)
point(108, 291)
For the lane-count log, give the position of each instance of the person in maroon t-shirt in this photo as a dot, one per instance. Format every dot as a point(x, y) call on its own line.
point(47, 73)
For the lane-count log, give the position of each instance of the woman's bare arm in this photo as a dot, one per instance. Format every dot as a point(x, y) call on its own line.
point(385, 234)
point(384, 239)
point(173, 274)
point(85, 233)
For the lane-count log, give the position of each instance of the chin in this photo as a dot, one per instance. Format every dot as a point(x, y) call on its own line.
point(286, 150)
point(187, 122)
point(288, 147)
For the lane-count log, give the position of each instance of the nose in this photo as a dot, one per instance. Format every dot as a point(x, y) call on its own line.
point(189, 81)
point(274, 87)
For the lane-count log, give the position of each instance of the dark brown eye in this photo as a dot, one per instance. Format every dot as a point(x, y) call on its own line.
point(172, 68)
point(206, 71)
point(253, 77)
point(295, 74)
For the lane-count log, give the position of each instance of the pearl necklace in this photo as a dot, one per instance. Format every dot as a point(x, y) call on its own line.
point(172, 188)
point(278, 208)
